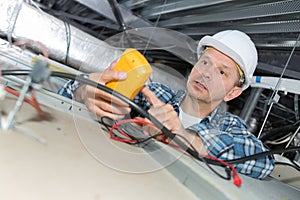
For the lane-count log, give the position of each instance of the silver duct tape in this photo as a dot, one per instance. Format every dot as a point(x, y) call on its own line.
point(63, 42)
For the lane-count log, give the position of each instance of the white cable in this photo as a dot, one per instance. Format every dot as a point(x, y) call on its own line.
point(155, 25)
point(276, 142)
point(13, 19)
point(275, 92)
point(294, 135)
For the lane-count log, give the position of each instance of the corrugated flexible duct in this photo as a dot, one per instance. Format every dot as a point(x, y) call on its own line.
point(63, 42)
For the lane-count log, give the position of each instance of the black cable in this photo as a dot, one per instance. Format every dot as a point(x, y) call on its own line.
point(203, 159)
point(134, 106)
point(15, 72)
point(144, 113)
point(252, 157)
point(107, 125)
point(111, 122)
point(262, 154)
point(166, 131)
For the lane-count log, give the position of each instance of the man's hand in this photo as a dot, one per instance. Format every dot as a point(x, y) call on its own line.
point(166, 114)
point(163, 112)
point(100, 102)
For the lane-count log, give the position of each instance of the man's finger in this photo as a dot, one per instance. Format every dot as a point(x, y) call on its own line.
point(112, 65)
point(152, 98)
point(107, 76)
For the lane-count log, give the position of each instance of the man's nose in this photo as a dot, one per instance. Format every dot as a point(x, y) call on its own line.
point(207, 72)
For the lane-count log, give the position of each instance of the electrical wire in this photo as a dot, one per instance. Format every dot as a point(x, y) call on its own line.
point(115, 125)
point(263, 154)
point(167, 132)
point(33, 101)
point(15, 72)
point(154, 27)
point(134, 106)
point(13, 19)
point(108, 124)
point(236, 179)
point(278, 141)
point(132, 140)
point(293, 136)
point(276, 89)
point(145, 114)
point(204, 158)
point(129, 138)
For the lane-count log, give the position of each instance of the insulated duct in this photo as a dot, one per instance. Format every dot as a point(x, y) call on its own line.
point(66, 44)
point(40, 31)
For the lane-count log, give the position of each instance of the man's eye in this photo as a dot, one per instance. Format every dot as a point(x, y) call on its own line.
point(204, 62)
point(222, 72)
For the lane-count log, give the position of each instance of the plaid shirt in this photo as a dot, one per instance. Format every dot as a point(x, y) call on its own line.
point(224, 135)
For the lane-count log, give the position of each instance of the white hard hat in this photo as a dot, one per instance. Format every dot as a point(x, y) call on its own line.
point(238, 46)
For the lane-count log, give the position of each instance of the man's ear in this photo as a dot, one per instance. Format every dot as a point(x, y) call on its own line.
point(233, 93)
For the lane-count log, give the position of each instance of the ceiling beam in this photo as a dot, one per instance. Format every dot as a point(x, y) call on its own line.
point(103, 7)
point(256, 11)
point(170, 7)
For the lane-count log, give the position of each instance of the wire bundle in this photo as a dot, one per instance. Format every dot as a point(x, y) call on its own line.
point(124, 134)
point(130, 138)
point(126, 138)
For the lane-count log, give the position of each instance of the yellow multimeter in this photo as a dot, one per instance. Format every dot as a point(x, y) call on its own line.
point(138, 71)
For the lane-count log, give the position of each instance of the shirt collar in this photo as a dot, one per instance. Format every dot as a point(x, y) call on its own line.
point(213, 117)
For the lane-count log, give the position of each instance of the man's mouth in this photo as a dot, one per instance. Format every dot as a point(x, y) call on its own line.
point(200, 85)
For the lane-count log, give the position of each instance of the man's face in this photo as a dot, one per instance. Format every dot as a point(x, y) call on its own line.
point(213, 78)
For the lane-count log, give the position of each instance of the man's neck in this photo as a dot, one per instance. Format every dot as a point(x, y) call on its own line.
point(196, 108)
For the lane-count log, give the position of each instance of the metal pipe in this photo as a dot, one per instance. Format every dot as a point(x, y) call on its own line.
point(250, 104)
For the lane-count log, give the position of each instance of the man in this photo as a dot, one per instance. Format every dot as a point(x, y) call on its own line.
point(227, 61)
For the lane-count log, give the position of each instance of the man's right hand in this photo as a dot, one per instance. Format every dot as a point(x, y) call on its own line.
point(102, 103)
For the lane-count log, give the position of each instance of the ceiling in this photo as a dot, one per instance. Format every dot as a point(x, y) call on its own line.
point(273, 25)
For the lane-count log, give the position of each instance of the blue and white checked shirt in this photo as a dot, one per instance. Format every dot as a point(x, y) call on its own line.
point(224, 135)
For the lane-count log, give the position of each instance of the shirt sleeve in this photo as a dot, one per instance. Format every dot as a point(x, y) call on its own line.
point(70, 86)
point(232, 140)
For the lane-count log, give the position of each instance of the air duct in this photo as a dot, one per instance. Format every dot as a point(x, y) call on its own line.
point(24, 23)
point(40, 31)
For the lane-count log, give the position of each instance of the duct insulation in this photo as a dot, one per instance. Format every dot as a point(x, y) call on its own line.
point(26, 24)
